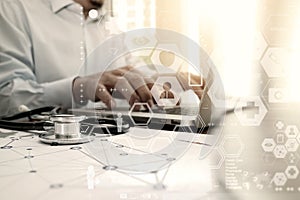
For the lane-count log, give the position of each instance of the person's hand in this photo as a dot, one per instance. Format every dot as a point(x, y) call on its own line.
point(125, 82)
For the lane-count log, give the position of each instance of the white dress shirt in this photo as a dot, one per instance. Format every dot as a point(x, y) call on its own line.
point(43, 45)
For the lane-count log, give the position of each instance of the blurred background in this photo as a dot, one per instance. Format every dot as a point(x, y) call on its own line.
point(253, 43)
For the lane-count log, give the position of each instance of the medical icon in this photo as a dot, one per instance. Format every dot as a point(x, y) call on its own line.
point(291, 145)
point(165, 59)
point(144, 39)
point(268, 144)
point(119, 122)
point(291, 131)
point(167, 93)
point(279, 179)
point(279, 125)
point(274, 62)
point(250, 111)
point(280, 138)
point(292, 172)
point(292, 158)
point(277, 95)
point(280, 151)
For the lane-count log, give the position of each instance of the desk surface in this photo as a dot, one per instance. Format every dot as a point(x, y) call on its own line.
point(239, 167)
point(30, 169)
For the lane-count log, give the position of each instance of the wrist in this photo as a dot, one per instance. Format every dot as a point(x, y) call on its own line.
point(78, 90)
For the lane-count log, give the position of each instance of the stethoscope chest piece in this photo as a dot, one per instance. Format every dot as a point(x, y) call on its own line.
point(66, 131)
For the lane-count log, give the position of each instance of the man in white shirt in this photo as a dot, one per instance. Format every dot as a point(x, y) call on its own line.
point(44, 43)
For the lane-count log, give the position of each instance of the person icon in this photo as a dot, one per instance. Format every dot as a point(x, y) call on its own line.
point(167, 94)
point(292, 131)
point(119, 122)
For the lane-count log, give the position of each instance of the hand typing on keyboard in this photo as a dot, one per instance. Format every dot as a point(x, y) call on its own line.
point(125, 82)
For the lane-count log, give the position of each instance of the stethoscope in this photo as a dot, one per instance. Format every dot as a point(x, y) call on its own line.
point(64, 129)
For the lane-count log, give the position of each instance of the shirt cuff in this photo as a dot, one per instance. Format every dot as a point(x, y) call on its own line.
point(59, 92)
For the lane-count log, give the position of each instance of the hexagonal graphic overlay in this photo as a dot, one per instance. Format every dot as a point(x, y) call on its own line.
point(250, 111)
point(268, 144)
point(292, 172)
point(291, 145)
point(216, 159)
point(166, 91)
point(279, 179)
point(293, 158)
point(275, 62)
point(165, 58)
point(278, 28)
point(280, 138)
point(195, 78)
point(279, 125)
point(280, 151)
point(232, 146)
point(291, 131)
point(140, 118)
point(144, 40)
point(260, 46)
point(276, 94)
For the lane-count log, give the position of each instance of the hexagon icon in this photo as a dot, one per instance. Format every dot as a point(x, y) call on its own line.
point(291, 131)
point(232, 146)
point(279, 125)
point(140, 118)
point(298, 138)
point(166, 91)
point(268, 144)
point(280, 138)
point(279, 179)
point(275, 62)
point(278, 28)
point(292, 172)
point(144, 40)
point(292, 145)
point(165, 58)
point(216, 159)
point(250, 111)
point(275, 94)
point(280, 151)
point(260, 45)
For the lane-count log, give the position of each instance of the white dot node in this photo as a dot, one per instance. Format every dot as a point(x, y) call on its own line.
point(93, 14)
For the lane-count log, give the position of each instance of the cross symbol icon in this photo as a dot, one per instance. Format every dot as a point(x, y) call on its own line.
point(292, 171)
point(253, 109)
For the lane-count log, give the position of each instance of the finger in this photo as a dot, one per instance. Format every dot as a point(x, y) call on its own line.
point(149, 82)
point(140, 86)
point(199, 93)
point(105, 96)
point(126, 90)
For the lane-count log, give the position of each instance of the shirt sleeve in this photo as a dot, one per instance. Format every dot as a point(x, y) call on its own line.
point(18, 83)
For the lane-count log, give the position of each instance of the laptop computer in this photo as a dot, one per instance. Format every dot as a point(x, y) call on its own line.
point(158, 117)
